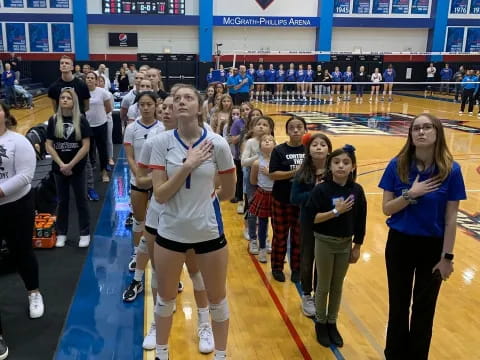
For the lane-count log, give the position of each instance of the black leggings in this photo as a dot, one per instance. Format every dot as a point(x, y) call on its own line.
point(99, 141)
point(17, 229)
point(239, 186)
point(467, 96)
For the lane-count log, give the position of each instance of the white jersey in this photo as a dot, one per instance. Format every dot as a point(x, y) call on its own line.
point(192, 215)
point(129, 99)
point(133, 112)
point(135, 136)
point(376, 78)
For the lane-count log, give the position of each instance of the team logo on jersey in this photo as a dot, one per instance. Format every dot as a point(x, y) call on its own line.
point(68, 130)
point(264, 3)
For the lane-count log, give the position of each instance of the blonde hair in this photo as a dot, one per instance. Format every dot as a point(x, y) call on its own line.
point(59, 130)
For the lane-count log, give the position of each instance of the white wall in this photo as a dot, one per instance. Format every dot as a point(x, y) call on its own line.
point(95, 7)
point(151, 39)
point(379, 39)
point(307, 8)
point(266, 39)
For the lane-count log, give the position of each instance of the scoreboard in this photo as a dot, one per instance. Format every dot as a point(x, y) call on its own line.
point(165, 7)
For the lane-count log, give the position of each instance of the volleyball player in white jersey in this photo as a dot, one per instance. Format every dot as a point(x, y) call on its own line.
point(187, 162)
point(144, 180)
point(135, 135)
point(376, 79)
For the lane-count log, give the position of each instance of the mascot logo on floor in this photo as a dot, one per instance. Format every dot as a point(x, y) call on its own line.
point(265, 3)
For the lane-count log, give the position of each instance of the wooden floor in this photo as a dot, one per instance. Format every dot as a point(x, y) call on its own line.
point(266, 320)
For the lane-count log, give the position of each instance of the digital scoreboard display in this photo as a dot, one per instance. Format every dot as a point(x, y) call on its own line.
point(166, 7)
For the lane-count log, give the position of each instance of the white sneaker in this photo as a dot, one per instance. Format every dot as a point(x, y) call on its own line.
point(308, 305)
point(245, 234)
point(206, 343)
point(262, 256)
point(460, 112)
point(150, 340)
point(36, 305)
point(240, 209)
point(253, 247)
point(61, 240)
point(470, 113)
point(84, 241)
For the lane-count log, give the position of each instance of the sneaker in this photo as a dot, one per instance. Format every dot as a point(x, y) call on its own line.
point(460, 112)
point(84, 241)
point(206, 343)
point(253, 247)
point(133, 263)
point(36, 305)
point(278, 275)
point(180, 287)
point(150, 340)
point(269, 246)
point(308, 306)
point(240, 209)
point(129, 220)
point(92, 195)
point(295, 277)
point(105, 177)
point(245, 234)
point(3, 348)
point(262, 256)
point(334, 335)
point(61, 240)
point(322, 334)
point(470, 113)
point(135, 288)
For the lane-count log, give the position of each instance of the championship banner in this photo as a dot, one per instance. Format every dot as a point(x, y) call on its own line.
point(2, 48)
point(13, 3)
point(37, 4)
point(60, 4)
point(473, 40)
point(400, 6)
point(475, 7)
point(61, 38)
point(458, 7)
point(420, 7)
point(38, 34)
point(381, 7)
point(361, 7)
point(341, 7)
point(16, 39)
point(454, 41)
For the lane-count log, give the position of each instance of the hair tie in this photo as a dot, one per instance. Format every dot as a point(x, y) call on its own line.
point(306, 138)
point(349, 148)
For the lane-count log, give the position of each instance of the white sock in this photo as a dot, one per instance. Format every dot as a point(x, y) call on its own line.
point(135, 250)
point(203, 316)
point(138, 275)
point(162, 352)
point(220, 355)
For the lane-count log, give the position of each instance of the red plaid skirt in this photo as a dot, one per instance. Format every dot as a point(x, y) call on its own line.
point(261, 204)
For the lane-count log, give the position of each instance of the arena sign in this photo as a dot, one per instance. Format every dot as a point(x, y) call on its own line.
point(268, 21)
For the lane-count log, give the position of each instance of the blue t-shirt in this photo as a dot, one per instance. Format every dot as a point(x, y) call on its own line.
point(270, 75)
point(245, 87)
point(427, 216)
point(260, 75)
point(231, 82)
point(280, 76)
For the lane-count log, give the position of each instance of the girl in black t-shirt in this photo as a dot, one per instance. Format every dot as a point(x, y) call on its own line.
point(68, 142)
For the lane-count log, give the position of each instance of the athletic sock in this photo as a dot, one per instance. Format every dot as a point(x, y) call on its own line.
point(162, 352)
point(138, 275)
point(203, 316)
point(220, 355)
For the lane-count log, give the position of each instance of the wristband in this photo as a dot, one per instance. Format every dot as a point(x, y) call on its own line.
point(335, 212)
point(407, 197)
point(448, 256)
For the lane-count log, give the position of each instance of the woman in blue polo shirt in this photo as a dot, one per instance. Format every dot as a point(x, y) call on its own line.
point(422, 189)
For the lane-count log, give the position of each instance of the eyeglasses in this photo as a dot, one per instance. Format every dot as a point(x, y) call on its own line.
point(425, 127)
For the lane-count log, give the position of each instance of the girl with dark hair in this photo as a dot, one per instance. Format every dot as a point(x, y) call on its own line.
point(422, 187)
point(285, 160)
point(17, 165)
point(68, 142)
point(233, 131)
point(310, 173)
point(338, 209)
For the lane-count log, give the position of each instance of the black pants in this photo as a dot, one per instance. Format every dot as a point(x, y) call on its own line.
point(79, 185)
point(307, 257)
point(467, 95)
point(17, 220)
point(239, 186)
point(408, 257)
point(241, 98)
point(99, 141)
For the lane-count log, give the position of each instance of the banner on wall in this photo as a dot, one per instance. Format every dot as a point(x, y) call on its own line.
point(277, 21)
point(458, 7)
point(61, 38)
point(361, 7)
point(38, 34)
point(341, 7)
point(420, 7)
point(473, 40)
point(2, 48)
point(37, 4)
point(16, 40)
point(454, 41)
point(13, 3)
point(400, 6)
point(475, 7)
point(303, 8)
point(60, 4)
point(381, 7)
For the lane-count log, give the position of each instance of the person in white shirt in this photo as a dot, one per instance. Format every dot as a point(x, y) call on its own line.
point(133, 111)
point(186, 163)
point(17, 166)
point(103, 72)
point(376, 79)
point(431, 71)
point(129, 99)
point(101, 83)
point(97, 118)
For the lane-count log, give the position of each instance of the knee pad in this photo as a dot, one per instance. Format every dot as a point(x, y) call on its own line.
point(220, 312)
point(138, 226)
point(197, 280)
point(154, 279)
point(164, 308)
point(142, 246)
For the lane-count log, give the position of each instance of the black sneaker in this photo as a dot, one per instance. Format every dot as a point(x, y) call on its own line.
point(322, 334)
point(295, 277)
point(3, 348)
point(278, 275)
point(334, 335)
point(135, 288)
point(129, 220)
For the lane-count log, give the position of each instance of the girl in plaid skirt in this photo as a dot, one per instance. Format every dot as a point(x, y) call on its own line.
point(262, 199)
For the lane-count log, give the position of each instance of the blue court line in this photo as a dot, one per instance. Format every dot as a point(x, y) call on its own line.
point(426, 98)
point(99, 324)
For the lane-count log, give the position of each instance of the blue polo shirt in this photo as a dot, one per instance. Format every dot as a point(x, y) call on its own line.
point(245, 87)
point(427, 216)
point(231, 81)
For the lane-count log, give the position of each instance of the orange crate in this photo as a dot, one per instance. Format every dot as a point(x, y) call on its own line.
point(45, 243)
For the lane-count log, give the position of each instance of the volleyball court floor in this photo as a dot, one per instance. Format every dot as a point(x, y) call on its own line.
point(266, 318)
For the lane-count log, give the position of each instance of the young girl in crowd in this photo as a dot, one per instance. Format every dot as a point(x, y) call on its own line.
point(310, 173)
point(376, 79)
point(101, 83)
point(286, 158)
point(233, 131)
point(262, 126)
point(68, 142)
point(422, 187)
point(186, 162)
point(261, 206)
point(208, 104)
point(338, 209)
point(222, 114)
